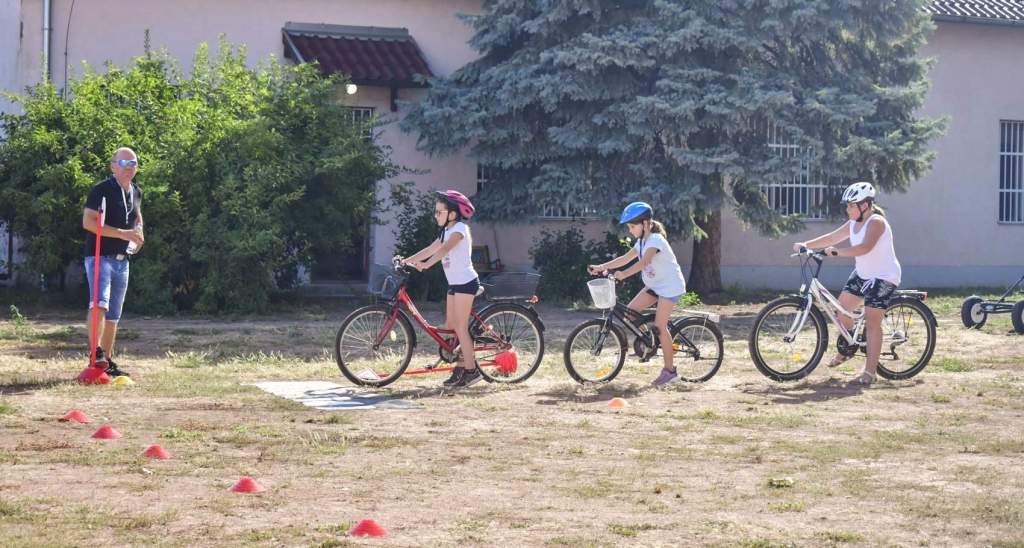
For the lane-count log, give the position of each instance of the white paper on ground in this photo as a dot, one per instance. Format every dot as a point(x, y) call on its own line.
point(333, 397)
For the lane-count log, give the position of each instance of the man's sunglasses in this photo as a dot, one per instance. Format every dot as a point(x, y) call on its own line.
point(128, 163)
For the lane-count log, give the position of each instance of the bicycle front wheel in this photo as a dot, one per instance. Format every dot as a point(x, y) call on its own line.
point(509, 343)
point(908, 339)
point(371, 349)
point(595, 352)
point(782, 348)
point(698, 347)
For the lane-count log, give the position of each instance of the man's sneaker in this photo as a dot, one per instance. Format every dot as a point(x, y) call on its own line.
point(666, 378)
point(469, 378)
point(455, 377)
point(101, 359)
point(113, 371)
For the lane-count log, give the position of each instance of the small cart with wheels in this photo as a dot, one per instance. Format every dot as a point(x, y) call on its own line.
point(975, 310)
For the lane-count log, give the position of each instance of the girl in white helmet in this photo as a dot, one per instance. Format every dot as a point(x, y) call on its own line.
point(876, 274)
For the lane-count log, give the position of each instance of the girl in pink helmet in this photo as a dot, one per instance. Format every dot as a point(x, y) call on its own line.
point(453, 248)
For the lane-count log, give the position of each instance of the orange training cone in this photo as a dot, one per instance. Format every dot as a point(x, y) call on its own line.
point(76, 416)
point(368, 528)
point(617, 403)
point(247, 485)
point(93, 375)
point(107, 432)
point(507, 362)
point(156, 452)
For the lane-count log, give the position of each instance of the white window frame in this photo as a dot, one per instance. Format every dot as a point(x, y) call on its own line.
point(1011, 172)
point(567, 212)
point(801, 193)
point(483, 176)
point(362, 115)
point(6, 251)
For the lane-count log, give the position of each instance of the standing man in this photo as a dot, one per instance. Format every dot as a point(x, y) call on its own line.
point(122, 225)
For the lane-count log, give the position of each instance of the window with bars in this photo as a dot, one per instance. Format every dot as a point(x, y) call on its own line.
point(566, 210)
point(806, 193)
point(1011, 171)
point(484, 175)
point(363, 115)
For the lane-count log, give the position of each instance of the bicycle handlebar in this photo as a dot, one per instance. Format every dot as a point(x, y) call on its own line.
point(811, 253)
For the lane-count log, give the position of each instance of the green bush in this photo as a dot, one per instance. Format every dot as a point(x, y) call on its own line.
point(416, 229)
point(246, 174)
point(561, 257)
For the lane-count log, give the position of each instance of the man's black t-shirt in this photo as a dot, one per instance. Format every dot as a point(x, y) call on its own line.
point(122, 211)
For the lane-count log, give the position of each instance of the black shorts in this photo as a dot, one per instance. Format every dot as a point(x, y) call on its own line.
point(468, 288)
point(877, 293)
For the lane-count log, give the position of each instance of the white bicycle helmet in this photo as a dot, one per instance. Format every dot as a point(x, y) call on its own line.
point(858, 192)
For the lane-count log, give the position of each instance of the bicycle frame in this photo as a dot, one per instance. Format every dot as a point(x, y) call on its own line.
point(403, 301)
point(814, 291)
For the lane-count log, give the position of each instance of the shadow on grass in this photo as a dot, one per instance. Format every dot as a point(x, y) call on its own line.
point(16, 388)
point(591, 393)
point(831, 389)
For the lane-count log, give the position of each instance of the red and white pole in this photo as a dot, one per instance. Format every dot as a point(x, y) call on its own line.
point(94, 311)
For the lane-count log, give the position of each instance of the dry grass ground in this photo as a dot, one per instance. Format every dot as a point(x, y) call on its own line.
point(934, 461)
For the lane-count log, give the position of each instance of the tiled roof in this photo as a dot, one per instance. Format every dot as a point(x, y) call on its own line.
point(981, 11)
point(369, 55)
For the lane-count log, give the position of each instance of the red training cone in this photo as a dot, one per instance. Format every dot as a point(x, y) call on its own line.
point(93, 375)
point(368, 528)
point(76, 416)
point(507, 361)
point(107, 432)
point(247, 485)
point(156, 452)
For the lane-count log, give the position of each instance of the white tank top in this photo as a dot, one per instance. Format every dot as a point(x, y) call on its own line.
point(880, 262)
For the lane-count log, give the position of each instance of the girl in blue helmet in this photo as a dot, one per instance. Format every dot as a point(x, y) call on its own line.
point(663, 279)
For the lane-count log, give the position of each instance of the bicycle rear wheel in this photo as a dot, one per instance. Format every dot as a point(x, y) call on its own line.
point(509, 344)
point(372, 350)
point(908, 339)
point(698, 346)
point(779, 350)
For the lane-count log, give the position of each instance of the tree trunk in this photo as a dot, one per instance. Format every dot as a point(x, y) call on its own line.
point(705, 276)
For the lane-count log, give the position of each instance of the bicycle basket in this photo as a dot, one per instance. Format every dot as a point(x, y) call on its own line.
point(389, 289)
point(602, 291)
point(511, 285)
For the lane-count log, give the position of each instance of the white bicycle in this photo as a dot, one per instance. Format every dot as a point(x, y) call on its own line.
point(790, 334)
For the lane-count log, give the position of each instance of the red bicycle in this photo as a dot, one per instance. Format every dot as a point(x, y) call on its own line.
point(376, 343)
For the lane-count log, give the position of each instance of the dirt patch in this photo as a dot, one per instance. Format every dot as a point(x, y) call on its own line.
point(736, 460)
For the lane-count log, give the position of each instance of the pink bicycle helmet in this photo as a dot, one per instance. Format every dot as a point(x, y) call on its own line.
point(459, 201)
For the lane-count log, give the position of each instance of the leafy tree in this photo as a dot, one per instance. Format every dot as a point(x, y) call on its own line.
point(246, 173)
point(602, 102)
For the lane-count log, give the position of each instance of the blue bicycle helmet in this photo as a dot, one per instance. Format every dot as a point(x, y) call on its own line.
point(636, 211)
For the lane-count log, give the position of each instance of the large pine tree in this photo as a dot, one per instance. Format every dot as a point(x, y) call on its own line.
point(601, 102)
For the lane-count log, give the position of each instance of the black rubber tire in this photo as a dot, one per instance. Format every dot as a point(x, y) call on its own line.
point(617, 338)
point(967, 315)
point(815, 316)
point(929, 322)
point(712, 328)
point(401, 322)
point(523, 314)
point(1017, 317)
